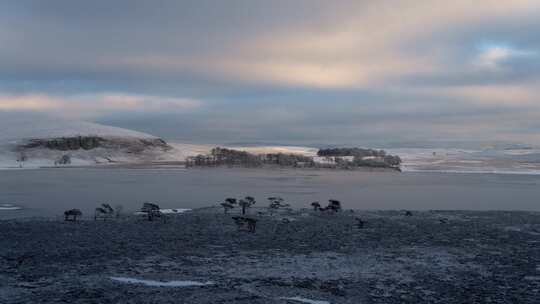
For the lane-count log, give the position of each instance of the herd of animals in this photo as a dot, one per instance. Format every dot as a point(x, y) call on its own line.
point(152, 211)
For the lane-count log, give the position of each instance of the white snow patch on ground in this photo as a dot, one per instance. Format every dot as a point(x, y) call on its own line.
point(524, 229)
point(20, 127)
point(8, 207)
point(160, 283)
point(174, 211)
point(18, 130)
point(333, 266)
point(167, 211)
point(307, 151)
point(305, 300)
point(183, 151)
point(490, 161)
point(186, 150)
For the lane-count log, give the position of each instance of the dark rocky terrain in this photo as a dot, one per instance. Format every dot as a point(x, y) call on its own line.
point(430, 257)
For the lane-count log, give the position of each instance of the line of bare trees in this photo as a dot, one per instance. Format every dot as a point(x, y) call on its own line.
point(361, 158)
point(229, 157)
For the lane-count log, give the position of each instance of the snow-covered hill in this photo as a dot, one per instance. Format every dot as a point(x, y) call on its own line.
point(16, 127)
point(41, 141)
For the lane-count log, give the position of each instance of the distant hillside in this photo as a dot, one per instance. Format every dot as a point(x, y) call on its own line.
point(37, 141)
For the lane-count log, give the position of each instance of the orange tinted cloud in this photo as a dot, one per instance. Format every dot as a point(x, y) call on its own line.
point(92, 104)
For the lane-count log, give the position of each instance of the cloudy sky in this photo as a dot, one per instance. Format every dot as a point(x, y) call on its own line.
point(290, 71)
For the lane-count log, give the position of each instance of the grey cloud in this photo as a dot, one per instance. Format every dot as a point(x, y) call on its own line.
point(287, 71)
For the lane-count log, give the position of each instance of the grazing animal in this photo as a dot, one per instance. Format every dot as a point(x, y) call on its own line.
point(245, 223)
point(71, 215)
point(104, 212)
point(359, 223)
point(443, 220)
point(408, 213)
point(151, 210)
point(316, 206)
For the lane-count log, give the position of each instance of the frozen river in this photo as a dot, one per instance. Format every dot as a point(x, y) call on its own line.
point(48, 192)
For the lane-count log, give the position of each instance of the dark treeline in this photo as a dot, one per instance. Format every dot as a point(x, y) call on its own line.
point(229, 157)
point(363, 157)
point(356, 152)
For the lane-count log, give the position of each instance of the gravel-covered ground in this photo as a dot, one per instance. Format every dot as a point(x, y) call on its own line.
point(469, 257)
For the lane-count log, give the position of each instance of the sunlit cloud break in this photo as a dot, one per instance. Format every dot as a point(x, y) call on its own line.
point(492, 55)
point(279, 71)
point(88, 105)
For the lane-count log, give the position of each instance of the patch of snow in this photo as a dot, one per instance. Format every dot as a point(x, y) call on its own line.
point(174, 211)
point(324, 160)
point(19, 130)
point(19, 127)
point(167, 211)
point(186, 150)
point(307, 151)
point(532, 278)
point(8, 207)
point(152, 283)
point(485, 161)
point(304, 300)
point(333, 266)
point(182, 151)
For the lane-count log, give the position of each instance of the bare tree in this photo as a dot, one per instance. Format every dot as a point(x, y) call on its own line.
point(104, 212)
point(228, 204)
point(118, 210)
point(246, 203)
point(276, 203)
point(21, 158)
point(72, 214)
point(333, 206)
point(63, 160)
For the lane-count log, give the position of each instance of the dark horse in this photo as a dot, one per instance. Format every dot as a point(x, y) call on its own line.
point(151, 210)
point(245, 223)
point(72, 214)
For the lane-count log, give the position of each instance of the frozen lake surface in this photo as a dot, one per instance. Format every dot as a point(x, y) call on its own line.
point(48, 192)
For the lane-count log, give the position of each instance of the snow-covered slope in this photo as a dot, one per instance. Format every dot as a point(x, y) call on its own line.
point(42, 141)
point(16, 128)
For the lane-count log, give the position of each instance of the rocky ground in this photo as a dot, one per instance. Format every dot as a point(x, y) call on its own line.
point(200, 257)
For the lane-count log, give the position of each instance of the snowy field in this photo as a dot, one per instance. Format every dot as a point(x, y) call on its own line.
point(18, 130)
point(200, 257)
point(21, 129)
point(502, 161)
